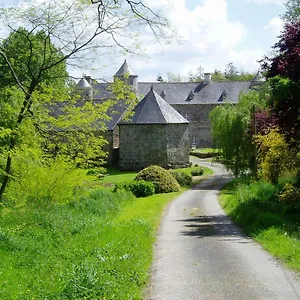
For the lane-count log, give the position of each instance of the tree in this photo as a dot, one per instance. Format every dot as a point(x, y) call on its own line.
point(283, 74)
point(287, 61)
point(217, 75)
point(55, 33)
point(292, 13)
point(230, 129)
point(171, 77)
point(198, 76)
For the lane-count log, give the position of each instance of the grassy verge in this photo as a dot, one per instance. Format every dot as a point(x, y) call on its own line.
point(99, 247)
point(255, 208)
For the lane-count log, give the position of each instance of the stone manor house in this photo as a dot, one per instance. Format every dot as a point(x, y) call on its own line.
point(169, 120)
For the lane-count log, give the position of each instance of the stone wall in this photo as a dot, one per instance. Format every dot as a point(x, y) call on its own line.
point(145, 145)
point(199, 126)
point(178, 147)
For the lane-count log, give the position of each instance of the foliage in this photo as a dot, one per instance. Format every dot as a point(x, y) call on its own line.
point(98, 246)
point(283, 73)
point(292, 13)
point(163, 181)
point(255, 207)
point(290, 194)
point(142, 188)
point(287, 62)
point(217, 75)
point(273, 155)
point(33, 59)
point(198, 172)
point(230, 129)
point(41, 183)
point(182, 178)
point(264, 120)
point(284, 102)
point(197, 76)
point(171, 77)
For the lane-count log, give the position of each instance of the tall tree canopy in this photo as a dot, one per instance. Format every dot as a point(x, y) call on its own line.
point(292, 13)
point(283, 73)
point(44, 37)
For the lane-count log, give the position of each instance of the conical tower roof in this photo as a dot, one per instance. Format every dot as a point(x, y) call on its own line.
point(153, 109)
point(125, 70)
point(82, 84)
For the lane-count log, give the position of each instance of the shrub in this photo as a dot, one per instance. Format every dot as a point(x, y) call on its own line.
point(142, 188)
point(120, 187)
point(182, 178)
point(197, 172)
point(99, 172)
point(163, 181)
point(289, 194)
point(273, 155)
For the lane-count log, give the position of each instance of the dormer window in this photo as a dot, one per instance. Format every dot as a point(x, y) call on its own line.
point(223, 96)
point(163, 94)
point(190, 96)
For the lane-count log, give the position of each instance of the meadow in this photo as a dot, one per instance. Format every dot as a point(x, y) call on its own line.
point(99, 245)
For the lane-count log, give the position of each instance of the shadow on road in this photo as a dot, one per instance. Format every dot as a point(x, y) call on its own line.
point(212, 226)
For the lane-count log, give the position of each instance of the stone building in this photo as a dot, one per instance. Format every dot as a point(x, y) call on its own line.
point(193, 100)
point(155, 135)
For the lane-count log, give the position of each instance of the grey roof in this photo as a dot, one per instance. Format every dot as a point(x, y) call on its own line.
point(125, 70)
point(101, 90)
point(197, 93)
point(82, 84)
point(153, 109)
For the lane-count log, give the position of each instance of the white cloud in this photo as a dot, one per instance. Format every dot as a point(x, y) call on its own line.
point(207, 37)
point(274, 26)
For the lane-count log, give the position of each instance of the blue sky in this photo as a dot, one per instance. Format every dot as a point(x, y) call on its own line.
point(212, 34)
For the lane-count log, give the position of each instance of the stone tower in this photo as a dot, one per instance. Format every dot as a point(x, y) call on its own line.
point(84, 89)
point(156, 135)
point(126, 74)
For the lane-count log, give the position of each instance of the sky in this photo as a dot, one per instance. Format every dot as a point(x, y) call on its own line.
point(212, 33)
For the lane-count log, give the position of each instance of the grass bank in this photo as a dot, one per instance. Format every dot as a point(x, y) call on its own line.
point(99, 247)
point(254, 206)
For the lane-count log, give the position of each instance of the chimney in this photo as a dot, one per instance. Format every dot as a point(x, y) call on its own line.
point(207, 78)
point(87, 78)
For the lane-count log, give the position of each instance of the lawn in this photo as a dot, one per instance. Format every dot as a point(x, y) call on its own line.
point(98, 246)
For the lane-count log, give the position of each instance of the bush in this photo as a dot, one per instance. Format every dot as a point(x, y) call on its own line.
point(198, 172)
point(163, 181)
point(142, 188)
point(274, 155)
point(121, 187)
point(182, 178)
point(99, 172)
point(289, 194)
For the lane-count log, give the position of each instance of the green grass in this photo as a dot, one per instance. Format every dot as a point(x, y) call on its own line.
point(97, 247)
point(207, 150)
point(254, 207)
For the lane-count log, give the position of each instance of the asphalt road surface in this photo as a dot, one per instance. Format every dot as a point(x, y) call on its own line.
point(201, 254)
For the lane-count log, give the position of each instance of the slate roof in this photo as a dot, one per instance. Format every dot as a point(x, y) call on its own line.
point(153, 109)
point(82, 84)
point(197, 93)
point(125, 70)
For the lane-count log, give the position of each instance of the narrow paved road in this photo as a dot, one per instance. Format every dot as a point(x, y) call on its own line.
point(200, 254)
